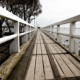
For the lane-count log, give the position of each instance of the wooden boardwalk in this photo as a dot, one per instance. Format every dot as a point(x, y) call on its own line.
point(46, 60)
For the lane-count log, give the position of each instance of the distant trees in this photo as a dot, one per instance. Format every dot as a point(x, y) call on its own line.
point(25, 9)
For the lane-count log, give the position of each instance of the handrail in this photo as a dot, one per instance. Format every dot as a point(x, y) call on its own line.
point(21, 34)
point(71, 35)
point(7, 38)
point(73, 19)
point(6, 14)
point(28, 30)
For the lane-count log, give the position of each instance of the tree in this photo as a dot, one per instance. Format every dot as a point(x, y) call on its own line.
point(25, 9)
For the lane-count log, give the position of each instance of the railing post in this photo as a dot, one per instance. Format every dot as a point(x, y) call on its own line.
point(71, 40)
point(58, 30)
point(25, 37)
point(47, 30)
point(15, 45)
point(51, 31)
point(28, 33)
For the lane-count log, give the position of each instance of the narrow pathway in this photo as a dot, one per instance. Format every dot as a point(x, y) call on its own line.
point(46, 60)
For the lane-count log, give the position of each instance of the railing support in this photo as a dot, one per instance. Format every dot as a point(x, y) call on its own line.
point(29, 33)
point(25, 37)
point(58, 30)
point(52, 31)
point(71, 39)
point(14, 46)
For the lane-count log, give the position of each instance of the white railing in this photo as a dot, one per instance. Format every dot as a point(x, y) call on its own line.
point(28, 30)
point(50, 30)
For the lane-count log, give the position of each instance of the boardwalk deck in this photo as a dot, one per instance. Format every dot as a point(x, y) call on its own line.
point(46, 61)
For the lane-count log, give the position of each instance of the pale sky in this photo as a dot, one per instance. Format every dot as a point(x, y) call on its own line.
point(57, 10)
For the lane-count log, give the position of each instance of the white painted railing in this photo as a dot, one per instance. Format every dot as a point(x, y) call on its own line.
point(50, 31)
point(28, 30)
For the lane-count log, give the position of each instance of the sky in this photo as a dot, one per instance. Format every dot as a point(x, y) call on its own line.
point(56, 10)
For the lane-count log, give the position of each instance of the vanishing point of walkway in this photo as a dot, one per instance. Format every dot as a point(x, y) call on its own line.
point(46, 60)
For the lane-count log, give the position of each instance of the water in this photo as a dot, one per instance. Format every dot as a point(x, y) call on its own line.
point(65, 39)
point(66, 31)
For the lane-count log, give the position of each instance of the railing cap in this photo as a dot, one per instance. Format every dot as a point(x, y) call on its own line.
point(6, 14)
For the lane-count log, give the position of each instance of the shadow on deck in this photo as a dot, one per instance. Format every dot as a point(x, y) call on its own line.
point(45, 60)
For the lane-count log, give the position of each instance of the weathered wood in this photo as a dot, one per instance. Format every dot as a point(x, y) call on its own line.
point(68, 73)
point(30, 73)
point(35, 49)
point(12, 62)
point(41, 41)
point(43, 49)
point(39, 74)
point(38, 49)
point(47, 68)
point(51, 66)
point(72, 67)
point(56, 48)
point(36, 40)
point(64, 51)
point(51, 48)
point(54, 68)
point(62, 75)
point(75, 62)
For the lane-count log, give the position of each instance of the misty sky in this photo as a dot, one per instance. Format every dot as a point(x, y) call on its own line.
point(57, 10)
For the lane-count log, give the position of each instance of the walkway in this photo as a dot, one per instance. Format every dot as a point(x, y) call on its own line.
point(46, 60)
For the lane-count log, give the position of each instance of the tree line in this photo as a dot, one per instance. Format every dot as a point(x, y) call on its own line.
point(25, 9)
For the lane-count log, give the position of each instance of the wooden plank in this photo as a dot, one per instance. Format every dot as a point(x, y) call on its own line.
point(68, 64)
point(47, 68)
point(64, 51)
point(62, 75)
point(17, 66)
point(38, 49)
point(50, 41)
point(56, 48)
point(35, 49)
point(41, 41)
point(68, 73)
point(53, 65)
point(39, 74)
point(76, 63)
point(36, 40)
point(43, 49)
point(51, 48)
point(77, 56)
point(30, 73)
point(72, 67)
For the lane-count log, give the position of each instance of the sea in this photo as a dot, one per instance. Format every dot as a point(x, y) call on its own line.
point(67, 30)
point(65, 39)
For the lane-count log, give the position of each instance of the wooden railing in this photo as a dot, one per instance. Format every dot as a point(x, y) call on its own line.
point(29, 30)
point(50, 31)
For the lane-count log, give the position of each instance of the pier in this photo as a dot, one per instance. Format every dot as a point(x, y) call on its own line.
point(40, 56)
